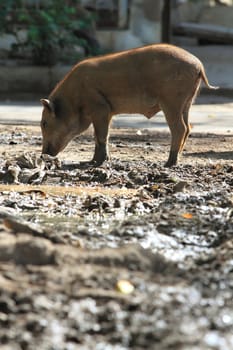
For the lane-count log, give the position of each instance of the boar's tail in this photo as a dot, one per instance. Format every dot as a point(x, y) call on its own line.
point(205, 79)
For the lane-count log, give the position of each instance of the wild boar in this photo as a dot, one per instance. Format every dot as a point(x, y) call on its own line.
point(143, 80)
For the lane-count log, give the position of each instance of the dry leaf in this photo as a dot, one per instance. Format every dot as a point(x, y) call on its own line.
point(187, 216)
point(154, 187)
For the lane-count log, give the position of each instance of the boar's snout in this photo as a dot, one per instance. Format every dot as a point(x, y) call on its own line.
point(49, 149)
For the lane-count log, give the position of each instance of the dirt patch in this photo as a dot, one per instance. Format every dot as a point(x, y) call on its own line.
point(130, 255)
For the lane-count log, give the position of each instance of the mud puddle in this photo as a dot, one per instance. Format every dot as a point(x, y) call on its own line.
point(130, 255)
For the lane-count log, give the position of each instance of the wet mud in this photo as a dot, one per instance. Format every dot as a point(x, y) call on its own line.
point(131, 255)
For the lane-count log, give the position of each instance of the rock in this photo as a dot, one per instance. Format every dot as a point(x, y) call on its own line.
point(26, 250)
point(10, 175)
point(5, 211)
point(11, 347)
point(8, 286)
point(7, 305)
point(36, 324)
point(17, 224)
point(180, 186)
point(7, 246)
point(31, 176)
point(134, 257)
point(30, 161)
point(34, 251)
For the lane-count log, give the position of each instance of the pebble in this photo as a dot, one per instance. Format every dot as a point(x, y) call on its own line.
point(34, 251)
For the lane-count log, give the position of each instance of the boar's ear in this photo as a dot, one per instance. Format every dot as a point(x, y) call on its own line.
point(47, 104)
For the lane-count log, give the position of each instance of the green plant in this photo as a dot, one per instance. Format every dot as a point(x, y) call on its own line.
point(51, 26)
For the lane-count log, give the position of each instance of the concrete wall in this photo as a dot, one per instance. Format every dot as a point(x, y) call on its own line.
point(31, 81)
point(144, 27)
point(203, 11)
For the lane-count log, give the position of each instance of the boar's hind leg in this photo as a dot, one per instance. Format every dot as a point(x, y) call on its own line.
point(186, 121)
point(178, 130)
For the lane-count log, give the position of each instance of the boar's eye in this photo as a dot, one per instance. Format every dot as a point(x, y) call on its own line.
point(44, 124)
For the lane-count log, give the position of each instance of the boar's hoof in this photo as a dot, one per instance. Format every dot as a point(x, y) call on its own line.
point(172, 159)
point(169, 164)
point(97, 163)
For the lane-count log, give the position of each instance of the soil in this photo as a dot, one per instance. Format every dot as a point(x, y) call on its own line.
point(130, 255)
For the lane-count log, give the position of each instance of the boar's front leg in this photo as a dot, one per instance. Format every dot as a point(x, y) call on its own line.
point(101, 128)
point(100, 154)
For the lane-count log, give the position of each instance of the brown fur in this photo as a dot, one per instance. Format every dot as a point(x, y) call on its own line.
point(144, 80)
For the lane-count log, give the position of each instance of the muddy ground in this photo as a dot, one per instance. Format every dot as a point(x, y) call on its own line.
point(130, 255)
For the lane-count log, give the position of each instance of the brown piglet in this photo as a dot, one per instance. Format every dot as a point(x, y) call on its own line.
point(143, 80)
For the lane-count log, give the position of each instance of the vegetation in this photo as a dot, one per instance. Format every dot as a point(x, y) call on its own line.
point(49, 27)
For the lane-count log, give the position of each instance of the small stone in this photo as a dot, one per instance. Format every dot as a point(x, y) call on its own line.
point(34, 251)
point(7, 305)
point(7, 245)
point(180, 186)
